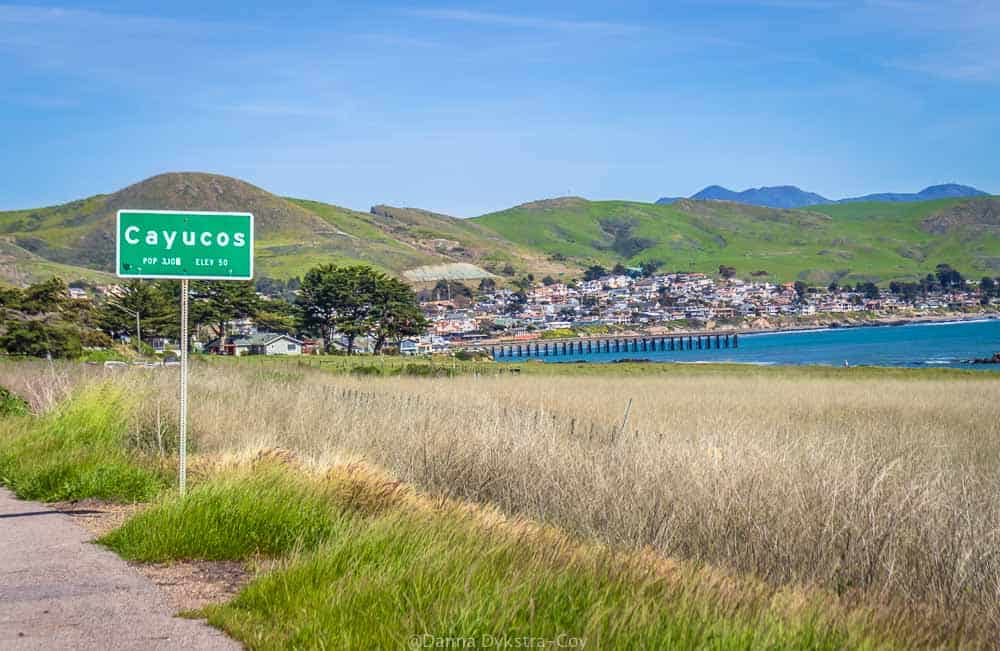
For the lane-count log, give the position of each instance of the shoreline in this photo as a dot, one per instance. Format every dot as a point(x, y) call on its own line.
point(878, 323)
point(881, 322)
point(970, 360)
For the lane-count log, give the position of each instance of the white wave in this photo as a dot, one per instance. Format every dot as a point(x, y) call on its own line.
point(945, 323)
point(789, 332)
point(724, 361)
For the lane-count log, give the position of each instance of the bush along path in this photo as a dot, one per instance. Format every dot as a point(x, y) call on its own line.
point(356, 560)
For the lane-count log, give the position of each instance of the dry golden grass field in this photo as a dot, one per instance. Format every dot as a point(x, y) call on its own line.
point(884, 492)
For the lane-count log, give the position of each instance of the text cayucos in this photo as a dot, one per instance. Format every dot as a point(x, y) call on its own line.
point(221, 239)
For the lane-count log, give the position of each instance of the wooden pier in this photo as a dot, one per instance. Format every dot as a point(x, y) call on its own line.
point(675, 342)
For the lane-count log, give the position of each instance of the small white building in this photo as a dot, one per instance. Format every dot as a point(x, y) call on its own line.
point(261, 343)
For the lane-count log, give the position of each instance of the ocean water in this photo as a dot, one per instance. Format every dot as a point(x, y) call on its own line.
point(931, 345)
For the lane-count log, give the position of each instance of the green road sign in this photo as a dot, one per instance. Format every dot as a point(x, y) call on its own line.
point(192, 245)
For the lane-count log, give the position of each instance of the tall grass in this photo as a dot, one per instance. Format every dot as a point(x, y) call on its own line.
point(369, 564)
point(400, 581)
point(78, 450)
point(882, 491)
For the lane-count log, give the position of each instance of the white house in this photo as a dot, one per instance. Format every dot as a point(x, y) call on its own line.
point(261, 343)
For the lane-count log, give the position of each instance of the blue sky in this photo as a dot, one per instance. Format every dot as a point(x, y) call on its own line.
point(468, 108)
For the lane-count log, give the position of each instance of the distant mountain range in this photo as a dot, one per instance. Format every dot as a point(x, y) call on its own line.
point(789, 196)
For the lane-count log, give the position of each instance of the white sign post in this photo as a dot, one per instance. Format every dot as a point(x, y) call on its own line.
point(184, 245)
point(182, 452)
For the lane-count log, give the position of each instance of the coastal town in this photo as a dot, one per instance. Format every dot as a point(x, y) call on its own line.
point(622, 300)
point(631, 301)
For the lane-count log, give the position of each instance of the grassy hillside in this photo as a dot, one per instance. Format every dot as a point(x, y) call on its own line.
point(289, 237)
point(465, 240)
point(558, 237)
point(76, 240)
point(440, 239)
point(862, 241)
point(21, 267)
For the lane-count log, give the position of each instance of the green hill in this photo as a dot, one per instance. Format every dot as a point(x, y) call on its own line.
point(289, 238)
point(859, 241)
point(878, 241)
point(20, 267)
point(449, 240)
point(291, 235)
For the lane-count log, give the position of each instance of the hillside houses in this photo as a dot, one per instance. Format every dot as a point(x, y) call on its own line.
point(662, 300)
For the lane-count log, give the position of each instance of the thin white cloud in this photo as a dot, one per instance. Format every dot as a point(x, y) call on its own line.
point(955, 16)
point(954, 39)
point(45, 102)
point(796, 5)
point(953, 66)
point(285, 110)
point(30, 16)
point(522, 21)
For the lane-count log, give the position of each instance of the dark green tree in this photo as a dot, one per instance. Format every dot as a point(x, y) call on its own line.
point(442, 290)
point(949, 277)
point(395, 313)
point(447, 290)
point(50, 296)
point(595, 272)
point(339, 300)
point(277, 315)
point(870, 290)
point(216, 303)
point(524, 283)
point(319, 301)
point(40, 338)
point(41, 320)
point(487, 286)
point(988, 287)
point(515, 303)
point(650, 267)
point(136, 308)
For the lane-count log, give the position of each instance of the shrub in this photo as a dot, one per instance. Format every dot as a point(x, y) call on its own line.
point(77, 452)
point(12, 404)
point(234, 517)
point(369, 369)
point(427, 370)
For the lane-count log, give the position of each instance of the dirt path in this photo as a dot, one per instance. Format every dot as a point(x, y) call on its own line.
point(59, 591)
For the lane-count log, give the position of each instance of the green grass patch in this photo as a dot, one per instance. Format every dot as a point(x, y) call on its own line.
point(442, 366)
point(362, 568)
point(230, 518)
point(78, 451)
point(410, 580)
point(106, 355)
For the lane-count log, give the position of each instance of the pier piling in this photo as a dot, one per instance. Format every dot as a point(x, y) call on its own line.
point(626, 344)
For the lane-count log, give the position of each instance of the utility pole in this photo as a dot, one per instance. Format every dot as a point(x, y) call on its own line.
point(138, 326)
